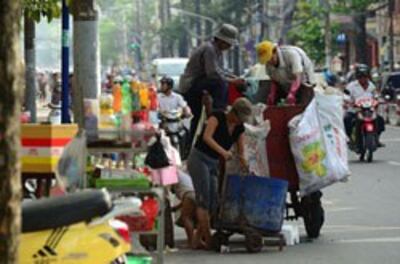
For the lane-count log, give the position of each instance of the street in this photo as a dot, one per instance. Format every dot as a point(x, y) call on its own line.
point(362, 221)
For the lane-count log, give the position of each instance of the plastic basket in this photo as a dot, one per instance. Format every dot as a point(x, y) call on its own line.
point(258, 200)
point(146, 222)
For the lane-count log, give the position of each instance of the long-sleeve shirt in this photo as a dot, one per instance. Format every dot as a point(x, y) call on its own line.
point(206, 61)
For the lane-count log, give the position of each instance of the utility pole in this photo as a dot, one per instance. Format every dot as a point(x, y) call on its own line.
point(30, 67)
point(65, 118)
point(391, 35)
point(86, 56)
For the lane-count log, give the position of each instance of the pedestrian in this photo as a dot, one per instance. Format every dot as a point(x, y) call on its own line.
point(222, 130)
point(291, 72)
point(204, 73)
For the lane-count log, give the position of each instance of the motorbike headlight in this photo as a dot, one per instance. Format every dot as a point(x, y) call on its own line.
point(398, 97)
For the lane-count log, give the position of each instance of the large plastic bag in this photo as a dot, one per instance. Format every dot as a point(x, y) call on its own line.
point(316, 139)
point(330, 112)
point(71, 166)
point(255, 153)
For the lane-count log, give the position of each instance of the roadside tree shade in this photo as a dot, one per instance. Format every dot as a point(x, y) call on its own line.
point(11, 87)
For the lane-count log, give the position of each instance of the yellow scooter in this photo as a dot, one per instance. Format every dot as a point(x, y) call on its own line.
point(76, 228)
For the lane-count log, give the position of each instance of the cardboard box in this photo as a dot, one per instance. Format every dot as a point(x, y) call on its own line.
point(42, 145)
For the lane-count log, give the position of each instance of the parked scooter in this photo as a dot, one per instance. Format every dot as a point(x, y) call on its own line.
point(76, 228)
point(366, 120)
point(176, 124)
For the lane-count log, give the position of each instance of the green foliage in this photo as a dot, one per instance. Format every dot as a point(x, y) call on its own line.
point(347, 6)
point(42, 8)
point(309, 34)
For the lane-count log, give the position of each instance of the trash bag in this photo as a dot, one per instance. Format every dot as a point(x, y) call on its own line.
point(71, 166)
point(156, 157)
point(317, 141)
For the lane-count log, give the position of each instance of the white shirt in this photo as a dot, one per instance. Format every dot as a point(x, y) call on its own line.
point(357, 92)
point(170, 102)
point(292, 61)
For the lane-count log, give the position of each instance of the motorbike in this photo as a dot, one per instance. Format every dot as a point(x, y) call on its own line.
point(76, 228)
point(366, 116)
point(176, 127)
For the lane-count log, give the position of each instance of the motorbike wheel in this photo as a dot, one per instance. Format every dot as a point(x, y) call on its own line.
point(313, 214)
point(219, 239)
point(253, 241)
point(370, 144)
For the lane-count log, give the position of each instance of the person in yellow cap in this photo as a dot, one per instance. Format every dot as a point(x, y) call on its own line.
point(291, 72)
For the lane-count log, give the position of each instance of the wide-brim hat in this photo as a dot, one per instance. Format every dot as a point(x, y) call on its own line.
point(228, 33)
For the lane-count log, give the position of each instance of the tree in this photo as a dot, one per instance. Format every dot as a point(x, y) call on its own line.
point(308, 30)
point(359, 9)
point(11, 86)
point(33, 11)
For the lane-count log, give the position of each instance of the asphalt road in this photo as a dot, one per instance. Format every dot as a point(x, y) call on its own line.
point(362, 220)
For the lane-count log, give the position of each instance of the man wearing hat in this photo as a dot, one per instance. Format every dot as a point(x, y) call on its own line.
point(204, 73)
point(291, 72)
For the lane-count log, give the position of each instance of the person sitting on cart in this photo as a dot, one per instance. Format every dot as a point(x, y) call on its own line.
point(221, 131)
point(291, 72)
point(204, 72)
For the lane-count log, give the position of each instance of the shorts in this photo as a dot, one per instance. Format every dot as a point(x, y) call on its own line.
point(204, 172)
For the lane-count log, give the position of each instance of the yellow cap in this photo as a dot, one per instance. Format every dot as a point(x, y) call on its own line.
point(264, 51)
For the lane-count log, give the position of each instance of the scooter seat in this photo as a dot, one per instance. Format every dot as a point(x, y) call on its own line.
point(49, 213)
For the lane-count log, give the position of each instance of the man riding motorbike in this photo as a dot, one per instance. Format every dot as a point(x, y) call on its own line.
point(361, 88)
point(291, 72)
point(173, 110)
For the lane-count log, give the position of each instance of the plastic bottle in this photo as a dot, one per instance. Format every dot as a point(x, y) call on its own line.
point(126, 98)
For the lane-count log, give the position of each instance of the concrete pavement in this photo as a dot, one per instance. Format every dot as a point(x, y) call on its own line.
point(362, 220)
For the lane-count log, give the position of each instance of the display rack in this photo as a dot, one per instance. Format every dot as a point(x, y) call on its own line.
point(110, 146)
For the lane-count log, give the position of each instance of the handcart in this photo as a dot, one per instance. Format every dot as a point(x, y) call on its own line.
point(252, 206)
point(282, 166)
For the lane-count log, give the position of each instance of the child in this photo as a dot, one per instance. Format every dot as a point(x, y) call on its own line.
point(184, 191)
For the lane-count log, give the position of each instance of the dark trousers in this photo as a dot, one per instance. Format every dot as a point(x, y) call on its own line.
point(219, 93)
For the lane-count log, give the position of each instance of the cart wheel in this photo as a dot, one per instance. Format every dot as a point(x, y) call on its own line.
point(219, 239)
point(253, 241)
point(313, 214)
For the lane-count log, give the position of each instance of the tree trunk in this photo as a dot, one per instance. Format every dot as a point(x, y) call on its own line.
point(288, 13)
point(30, 64)
point(86, 56)
point(163, 20)
point(11, 87)
point(171, 42)
point(183, 40)
point(264, 23)
point(361, 38)
point(197, 7)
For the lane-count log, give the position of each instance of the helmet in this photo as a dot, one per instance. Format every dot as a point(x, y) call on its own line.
point(362, 70)
point(168, 81)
